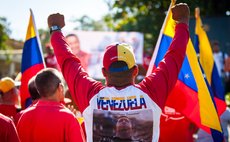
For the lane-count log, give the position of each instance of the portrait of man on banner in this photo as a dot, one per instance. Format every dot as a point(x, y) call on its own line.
point(92, 63)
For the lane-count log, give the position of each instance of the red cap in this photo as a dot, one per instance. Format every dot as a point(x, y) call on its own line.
point(119, 52)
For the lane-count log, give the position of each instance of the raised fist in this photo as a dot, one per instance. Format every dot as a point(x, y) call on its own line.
point(56, 20)
point(180, 13)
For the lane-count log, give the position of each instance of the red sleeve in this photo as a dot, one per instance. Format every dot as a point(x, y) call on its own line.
point(81, 86)
point(162, 80)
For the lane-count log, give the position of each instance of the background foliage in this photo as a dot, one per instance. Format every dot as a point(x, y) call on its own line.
point(145, 16)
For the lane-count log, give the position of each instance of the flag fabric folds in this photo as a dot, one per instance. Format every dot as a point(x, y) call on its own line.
point(205, 56)
point(204, 51)
point(32, 60)
point(191, 96)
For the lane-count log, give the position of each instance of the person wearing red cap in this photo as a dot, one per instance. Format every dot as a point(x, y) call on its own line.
point(142, 103)
point(8, 132)
point(48, 119)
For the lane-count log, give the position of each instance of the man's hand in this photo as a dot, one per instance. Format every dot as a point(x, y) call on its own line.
point(56, 20)
point(180, 13)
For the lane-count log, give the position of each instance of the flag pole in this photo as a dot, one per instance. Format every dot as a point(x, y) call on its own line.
point(151, 64)
point(38, 37)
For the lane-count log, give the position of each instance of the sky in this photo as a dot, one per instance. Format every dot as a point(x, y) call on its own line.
point(17, 13)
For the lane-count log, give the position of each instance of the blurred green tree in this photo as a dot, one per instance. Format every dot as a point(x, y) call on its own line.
point(147, 16)
point(85, 23)
point(44, 36)
point(4, 32)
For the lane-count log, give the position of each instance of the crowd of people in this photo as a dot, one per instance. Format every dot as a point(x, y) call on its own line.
point(119, 111)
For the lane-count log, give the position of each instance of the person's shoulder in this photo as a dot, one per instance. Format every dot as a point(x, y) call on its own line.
point(6, 122)
point(4, 119)
point(66, 112)
point(24, 118)
point(28, 109)
point(28, 112)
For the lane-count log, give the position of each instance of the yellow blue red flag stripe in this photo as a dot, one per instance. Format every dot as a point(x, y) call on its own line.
point(32, 60)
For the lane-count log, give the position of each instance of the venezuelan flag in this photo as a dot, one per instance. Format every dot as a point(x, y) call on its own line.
point(204, 52)
point(191, 95)
point(32, 60)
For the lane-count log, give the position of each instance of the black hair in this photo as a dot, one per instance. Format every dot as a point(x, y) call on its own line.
point(33, 90)
point(47, 81)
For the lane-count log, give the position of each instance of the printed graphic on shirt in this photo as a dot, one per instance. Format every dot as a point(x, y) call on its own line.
point(170, 113)
point(121, 103)
point(117, 126)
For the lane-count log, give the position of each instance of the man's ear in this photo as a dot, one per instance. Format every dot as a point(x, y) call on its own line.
point(61, 91)
point(136, 70)
point(62, 86)
point(104, 72)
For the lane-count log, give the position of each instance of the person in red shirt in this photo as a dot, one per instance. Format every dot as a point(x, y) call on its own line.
point(48, 119)
point(9, 97)
point(142, 103)
point(50, 59)
point(74, 43)
point(35, 96)
point(8, 132)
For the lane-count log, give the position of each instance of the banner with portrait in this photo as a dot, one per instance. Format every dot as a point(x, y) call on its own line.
point(94, 43)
